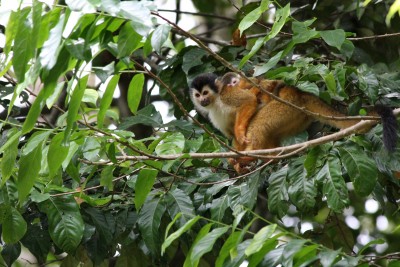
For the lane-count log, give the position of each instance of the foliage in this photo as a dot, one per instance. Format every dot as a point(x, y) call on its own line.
point(79, 187)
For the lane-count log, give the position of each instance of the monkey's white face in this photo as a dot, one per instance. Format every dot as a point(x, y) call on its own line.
point(203, 99)
point(208, 103)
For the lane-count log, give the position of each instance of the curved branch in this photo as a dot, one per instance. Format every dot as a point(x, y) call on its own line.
point(286, 151)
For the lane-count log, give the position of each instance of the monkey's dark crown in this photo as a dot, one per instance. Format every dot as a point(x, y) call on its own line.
point(205, 79)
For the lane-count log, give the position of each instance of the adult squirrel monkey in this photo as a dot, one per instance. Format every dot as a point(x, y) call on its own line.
point(257, 121)
point(229, 102)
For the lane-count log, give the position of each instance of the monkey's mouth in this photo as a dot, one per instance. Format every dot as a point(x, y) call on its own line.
point(205, 102)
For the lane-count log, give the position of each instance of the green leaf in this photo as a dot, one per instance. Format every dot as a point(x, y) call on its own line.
point(9, 157)
point(307, 255)
point(10, 253)
point(29, 167)
point(128, 40)
point(328, 257)
point(330, 82)
point(103, 73)
point(334, 186)
point(347, 48)
point(105, 224)
point(37, 16)
point(12, 26)
point(371, 243)
point(106, 100)
point(79, 5)
point(51, 47)
point(291, 249)
point(78, 49)
point(394, 8)
point(193, 58)
point(260, 238)
point(34, 141)
point(66, 226)
point(245, 194)
point(138, 13)
point(144, 184)
point(160, 36)
point(51, 100)
point(230, 244)
point(10, 141)
point(253, 16)
point(38, 197)
point(48, 20)
point(218, 208)
point(361, 169)
point(64, 63)
point(90, 96)
point(280, 19)
point(203, 231)
point(268, 245)
point(277, 192)
point(168, 241)
point(308, 87)
point(57, 153)
point(173, 144)
point(106, 177)
point(149, 223)
point(206, 243)
point(302, 190)
point(135, 91)
point(179, 202)
point(269, 65)
point(23, 48)
point(334, 38)
point(13, 226)
point(74, 105)
point(147, 116)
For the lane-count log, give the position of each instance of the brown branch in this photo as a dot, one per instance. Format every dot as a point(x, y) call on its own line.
point(365, 38)
point(289, 150)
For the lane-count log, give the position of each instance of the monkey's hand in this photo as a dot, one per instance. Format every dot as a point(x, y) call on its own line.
point(242, 140)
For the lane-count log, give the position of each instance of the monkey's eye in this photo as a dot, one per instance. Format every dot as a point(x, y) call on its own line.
point(235, 81)
point(197, 95)
point(205, 93)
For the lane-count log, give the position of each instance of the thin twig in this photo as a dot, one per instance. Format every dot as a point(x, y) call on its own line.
point(365, 38)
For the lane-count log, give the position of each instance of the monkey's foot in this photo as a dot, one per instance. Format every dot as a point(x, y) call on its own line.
point(242, 165)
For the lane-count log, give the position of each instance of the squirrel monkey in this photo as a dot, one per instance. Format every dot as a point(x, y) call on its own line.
point(257, 121)
point(229, 102)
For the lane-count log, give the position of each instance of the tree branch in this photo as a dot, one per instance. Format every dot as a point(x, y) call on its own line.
point(285, 151)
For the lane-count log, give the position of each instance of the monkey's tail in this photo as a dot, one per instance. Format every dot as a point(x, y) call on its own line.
point(389, 120)
point(389, 125)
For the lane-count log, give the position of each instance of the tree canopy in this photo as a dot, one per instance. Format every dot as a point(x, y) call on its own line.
point(93, 173)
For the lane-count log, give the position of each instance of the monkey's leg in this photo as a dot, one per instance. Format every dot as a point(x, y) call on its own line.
point(272, 123)
point(243, 116)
